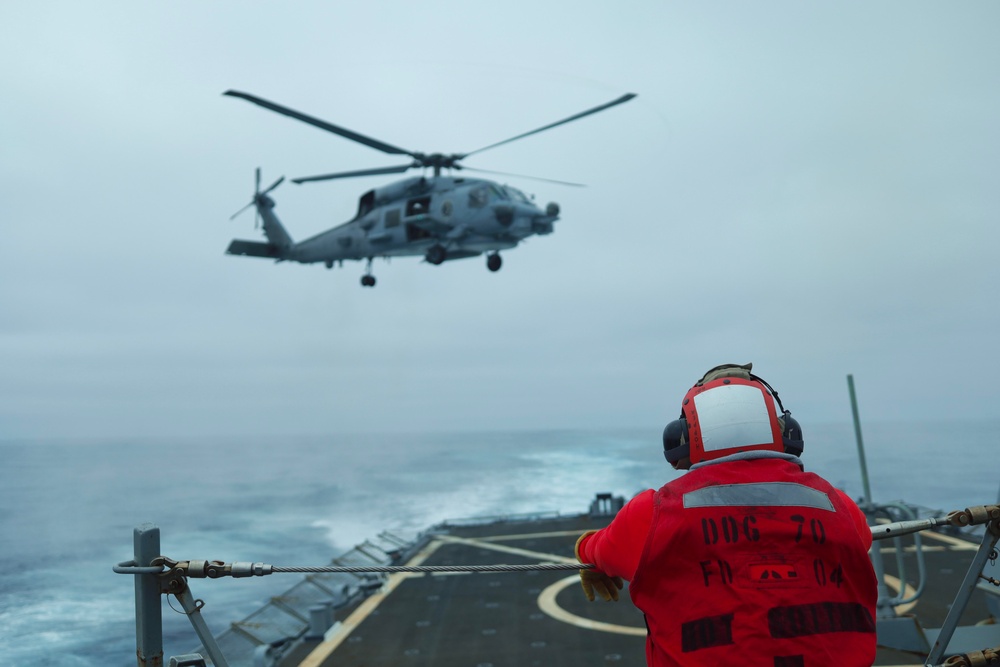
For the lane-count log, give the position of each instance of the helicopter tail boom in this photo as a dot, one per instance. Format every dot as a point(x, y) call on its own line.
point(254, 249)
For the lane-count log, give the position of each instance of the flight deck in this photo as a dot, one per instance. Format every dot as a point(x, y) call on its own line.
point(501, 619)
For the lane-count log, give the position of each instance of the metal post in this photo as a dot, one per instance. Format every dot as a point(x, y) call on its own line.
point(319, 621)
point(964, 593)
point(193, 612)
point(148, 612)
point(883, 609)
point(861, 445)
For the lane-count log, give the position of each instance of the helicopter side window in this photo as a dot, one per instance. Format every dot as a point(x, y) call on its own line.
point(392, 218)
point(418, 206)
point(478, 197)
point(497, 192)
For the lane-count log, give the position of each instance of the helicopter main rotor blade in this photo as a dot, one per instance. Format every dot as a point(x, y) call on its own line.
point(620, 100)
point(322, 124)
point(233, 216)
point(533, 178)
point(273, 185)
point(362, 172)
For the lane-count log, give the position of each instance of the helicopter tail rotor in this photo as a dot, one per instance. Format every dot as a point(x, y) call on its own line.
point(259, 197)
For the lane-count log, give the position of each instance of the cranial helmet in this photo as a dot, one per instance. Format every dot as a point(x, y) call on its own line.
point(729, 410)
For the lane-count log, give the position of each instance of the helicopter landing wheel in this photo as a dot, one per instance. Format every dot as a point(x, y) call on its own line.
point(436, 254)
point(368, 280)
point(493, 262)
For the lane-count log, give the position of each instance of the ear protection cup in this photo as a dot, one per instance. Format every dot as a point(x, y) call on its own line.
point(675, 441)
point(791, 436)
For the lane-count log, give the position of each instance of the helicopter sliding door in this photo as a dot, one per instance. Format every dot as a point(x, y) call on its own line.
point(415, 233)
point(417, 207)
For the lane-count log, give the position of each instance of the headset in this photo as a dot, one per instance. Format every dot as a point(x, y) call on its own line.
point(677, 436)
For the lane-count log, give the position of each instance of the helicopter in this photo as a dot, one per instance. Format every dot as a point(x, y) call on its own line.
point(442, 218)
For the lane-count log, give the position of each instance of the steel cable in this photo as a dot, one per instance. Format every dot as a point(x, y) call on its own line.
point(433, 568)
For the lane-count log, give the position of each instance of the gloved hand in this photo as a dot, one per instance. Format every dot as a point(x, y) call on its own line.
point(595, 580)
point(605, 586)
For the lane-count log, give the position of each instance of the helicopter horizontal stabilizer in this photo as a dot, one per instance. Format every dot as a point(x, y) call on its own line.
point(254, 249)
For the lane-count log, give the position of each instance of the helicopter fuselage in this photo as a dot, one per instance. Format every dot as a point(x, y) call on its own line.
point(464, 216)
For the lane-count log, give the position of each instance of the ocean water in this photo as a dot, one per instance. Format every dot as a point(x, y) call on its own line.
point(67, 509)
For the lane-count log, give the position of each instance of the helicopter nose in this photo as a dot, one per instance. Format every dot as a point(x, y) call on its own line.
point(552, 210)
point(504, 214)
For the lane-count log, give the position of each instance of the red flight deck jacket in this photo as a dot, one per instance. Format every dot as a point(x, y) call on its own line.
point(749, 562)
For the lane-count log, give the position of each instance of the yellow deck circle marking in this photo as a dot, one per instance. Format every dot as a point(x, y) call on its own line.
point(547, 603)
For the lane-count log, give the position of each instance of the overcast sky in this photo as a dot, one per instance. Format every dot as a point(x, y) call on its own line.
point(809, 186)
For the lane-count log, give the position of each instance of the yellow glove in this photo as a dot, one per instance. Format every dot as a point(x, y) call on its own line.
point(595, 580)
point(605, 586)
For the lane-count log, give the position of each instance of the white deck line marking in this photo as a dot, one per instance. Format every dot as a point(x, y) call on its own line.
point(912, 549)
point(956, 543)
point(547, 603)
point(508, 550)
point(323, 651)
point(547, 598)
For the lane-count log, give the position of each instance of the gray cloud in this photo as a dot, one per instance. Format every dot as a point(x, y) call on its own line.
point(808, 187)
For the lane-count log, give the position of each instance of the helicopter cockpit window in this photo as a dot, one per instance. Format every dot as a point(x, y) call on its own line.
point(392, 218)
point(515, 194)
point(366, 203)
point(497, 193)
point(478, 197)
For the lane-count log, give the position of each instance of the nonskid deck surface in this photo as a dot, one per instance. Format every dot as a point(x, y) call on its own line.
point(542, 618)
point(490, 619)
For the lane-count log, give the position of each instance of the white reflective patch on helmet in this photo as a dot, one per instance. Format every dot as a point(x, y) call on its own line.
point(733, 415)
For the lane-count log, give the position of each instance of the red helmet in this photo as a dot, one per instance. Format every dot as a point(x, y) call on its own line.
point(729, 410)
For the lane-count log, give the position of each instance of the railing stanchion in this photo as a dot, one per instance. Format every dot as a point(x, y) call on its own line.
point(148, 612)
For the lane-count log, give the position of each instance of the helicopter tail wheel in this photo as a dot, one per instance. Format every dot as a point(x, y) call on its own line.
point(436, 254)
point(493, 262)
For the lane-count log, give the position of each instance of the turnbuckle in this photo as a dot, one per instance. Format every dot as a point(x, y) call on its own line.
point(973, 516)
point(214, 569)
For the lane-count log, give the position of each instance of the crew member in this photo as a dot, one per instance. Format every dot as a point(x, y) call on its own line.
point(746, 559)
